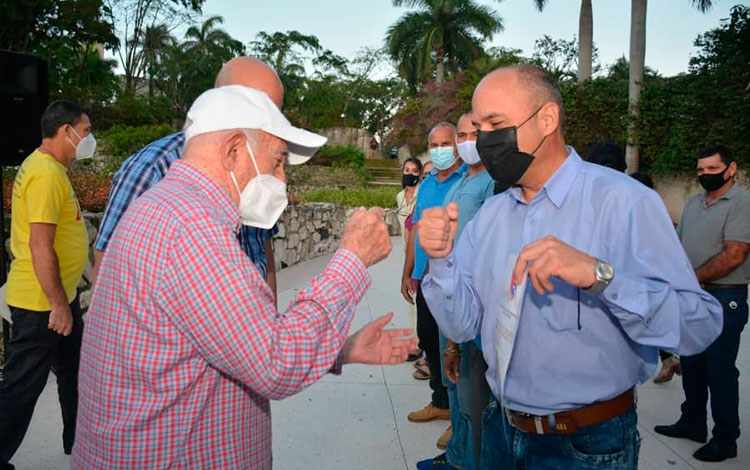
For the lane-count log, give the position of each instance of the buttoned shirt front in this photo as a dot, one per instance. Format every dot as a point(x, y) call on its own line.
point(183, 345)
point(574, 348)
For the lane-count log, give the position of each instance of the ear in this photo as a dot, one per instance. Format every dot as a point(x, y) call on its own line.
point(732, 169)
point(230, 150)
point(548, 118)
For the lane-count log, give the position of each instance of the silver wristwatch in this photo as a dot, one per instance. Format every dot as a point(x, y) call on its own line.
point(604, 273)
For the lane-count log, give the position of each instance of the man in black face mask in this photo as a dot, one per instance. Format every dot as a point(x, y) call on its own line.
point(575, 278)
point(715, 232)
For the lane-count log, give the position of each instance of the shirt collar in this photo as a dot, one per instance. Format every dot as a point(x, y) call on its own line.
point(215, 195)
point(557, 187)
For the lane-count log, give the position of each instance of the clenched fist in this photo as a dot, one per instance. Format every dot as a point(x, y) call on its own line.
point(437, 229)
point(366, 235)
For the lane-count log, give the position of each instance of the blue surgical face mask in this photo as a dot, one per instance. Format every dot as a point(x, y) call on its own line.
point(442, 157)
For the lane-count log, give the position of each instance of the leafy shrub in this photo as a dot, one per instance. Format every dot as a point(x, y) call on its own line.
point(307, 176)
point(121, 141)
point(384, 196)
point(340, 156)
point(91, 189)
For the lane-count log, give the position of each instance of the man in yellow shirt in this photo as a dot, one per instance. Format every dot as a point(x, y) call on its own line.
point(50, 249)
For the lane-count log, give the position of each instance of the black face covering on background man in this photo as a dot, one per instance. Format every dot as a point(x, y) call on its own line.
point(499, 153)
point(712, 182)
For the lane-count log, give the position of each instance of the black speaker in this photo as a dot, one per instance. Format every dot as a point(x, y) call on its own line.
point(24, 93)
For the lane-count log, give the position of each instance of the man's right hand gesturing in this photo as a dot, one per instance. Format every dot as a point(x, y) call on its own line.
point(437, 230)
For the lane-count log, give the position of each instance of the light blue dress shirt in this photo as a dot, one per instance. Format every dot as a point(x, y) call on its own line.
point(574, 348)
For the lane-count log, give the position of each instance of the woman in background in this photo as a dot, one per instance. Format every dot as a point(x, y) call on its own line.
point(411, 175)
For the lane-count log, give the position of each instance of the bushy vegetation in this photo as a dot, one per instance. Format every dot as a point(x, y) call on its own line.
point(384, 196)
point(121, 141)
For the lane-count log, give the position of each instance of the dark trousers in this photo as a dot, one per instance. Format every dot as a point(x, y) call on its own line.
point(714, 370)
point(33, 351)
point(480, 395)
point(664, 355)
point(429, 342)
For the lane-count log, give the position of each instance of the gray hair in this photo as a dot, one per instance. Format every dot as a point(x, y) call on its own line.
point(439, 126)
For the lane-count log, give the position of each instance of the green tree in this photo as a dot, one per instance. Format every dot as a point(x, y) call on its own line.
point(439, 36)
point(68, 35)
point(286, 52)
point(131, 19)
point(637, 64)
point(586, 51)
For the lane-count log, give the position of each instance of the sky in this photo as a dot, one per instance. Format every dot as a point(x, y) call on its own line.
point(344, 26)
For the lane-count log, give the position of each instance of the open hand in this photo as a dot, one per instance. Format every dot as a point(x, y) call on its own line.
point(374, 345)
point(549, 257)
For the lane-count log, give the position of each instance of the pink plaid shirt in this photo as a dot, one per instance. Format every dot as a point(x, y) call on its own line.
point(183, 345)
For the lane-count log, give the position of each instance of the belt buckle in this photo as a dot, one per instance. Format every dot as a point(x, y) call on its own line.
point(538, 426)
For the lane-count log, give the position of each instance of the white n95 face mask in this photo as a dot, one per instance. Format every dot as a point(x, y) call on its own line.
point(86, 146)
point(263, 200)
point(467, 150)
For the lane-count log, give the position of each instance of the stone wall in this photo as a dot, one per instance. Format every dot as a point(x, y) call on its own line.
point(306, 231)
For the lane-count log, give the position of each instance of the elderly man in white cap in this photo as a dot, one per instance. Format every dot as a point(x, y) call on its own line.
point(184, 347)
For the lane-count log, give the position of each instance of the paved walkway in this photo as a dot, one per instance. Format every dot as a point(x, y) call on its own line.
point(358, 420)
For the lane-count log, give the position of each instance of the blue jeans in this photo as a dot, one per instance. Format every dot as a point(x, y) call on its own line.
point(611, 445)
point(460, 451)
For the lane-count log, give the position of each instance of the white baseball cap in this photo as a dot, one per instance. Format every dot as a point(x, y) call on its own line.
point(240, 107)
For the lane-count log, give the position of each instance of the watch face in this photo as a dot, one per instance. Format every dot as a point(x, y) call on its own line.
point(604, 271)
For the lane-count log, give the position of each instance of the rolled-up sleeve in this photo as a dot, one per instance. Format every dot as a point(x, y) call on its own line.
point(655, 295)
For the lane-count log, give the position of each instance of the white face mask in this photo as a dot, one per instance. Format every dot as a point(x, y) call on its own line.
point(467, 150)
point(85, 147)
point(263, 200)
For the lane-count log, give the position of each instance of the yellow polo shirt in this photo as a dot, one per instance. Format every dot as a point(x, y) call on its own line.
point(42, 193)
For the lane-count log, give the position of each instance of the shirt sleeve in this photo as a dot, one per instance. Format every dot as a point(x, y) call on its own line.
point(737, 226)
point(127, 185)
point(45, 195)
point(228, 312)
point(449, 292)
point(654, 294)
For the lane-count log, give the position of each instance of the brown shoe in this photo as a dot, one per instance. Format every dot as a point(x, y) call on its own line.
point(429, 413)
point(442, 443)
point(669, 367)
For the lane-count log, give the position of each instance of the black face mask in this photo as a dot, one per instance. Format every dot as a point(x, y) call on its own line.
point(712, 182)
point(499, 153)
point(409, 180)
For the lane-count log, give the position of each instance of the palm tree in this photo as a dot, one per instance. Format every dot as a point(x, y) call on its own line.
point(207, 39)
point(445, 33)
point(637, 63)
point(155, 43)
point(282, 51)
point(585, 38)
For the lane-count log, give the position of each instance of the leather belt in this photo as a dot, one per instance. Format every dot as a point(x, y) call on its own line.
point(709, 286)
point(568, 422)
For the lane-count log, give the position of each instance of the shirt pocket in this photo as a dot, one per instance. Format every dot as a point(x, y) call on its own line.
point(560, 308)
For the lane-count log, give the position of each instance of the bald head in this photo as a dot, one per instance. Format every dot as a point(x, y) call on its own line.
point(252, 73)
